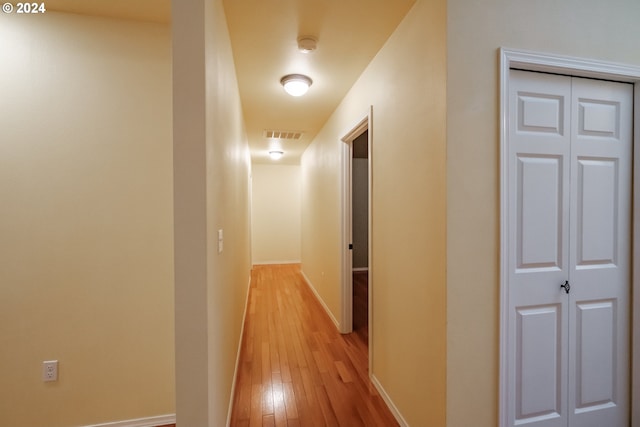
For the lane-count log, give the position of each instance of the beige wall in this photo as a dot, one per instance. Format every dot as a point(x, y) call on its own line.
point(275, 214)
point(211, 193)
point(320, 226)
point(86, 244)
point(405, 84)
point(584, 28)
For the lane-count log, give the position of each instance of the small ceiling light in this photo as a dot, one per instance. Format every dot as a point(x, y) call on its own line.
point(296, 84)
point(275, 155)
point(307, 44)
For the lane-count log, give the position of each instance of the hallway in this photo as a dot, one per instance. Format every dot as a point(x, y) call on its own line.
point(295, 368)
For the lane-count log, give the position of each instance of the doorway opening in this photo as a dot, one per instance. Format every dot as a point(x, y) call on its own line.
point(360, 235)
point(356, 251)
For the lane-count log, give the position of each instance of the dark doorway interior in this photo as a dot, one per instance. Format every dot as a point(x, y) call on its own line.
point(360, 235)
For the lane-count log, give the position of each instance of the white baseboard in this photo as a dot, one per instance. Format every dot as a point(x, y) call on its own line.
point(388, 401)
point(295, 261)
point(141, 422)
point(235, 371)
point(320, 300)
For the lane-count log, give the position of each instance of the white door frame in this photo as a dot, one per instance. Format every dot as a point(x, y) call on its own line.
point(533, 61)
point(346, 321)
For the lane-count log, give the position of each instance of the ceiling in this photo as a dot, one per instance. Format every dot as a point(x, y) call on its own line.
point(139, 10)
point(264, 37)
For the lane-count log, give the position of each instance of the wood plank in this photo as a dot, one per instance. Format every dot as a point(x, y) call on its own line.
point(243, 392)
point(290, 405)
point(268, 421)
point(266, 363)
point(279, 411)
point(328, 413)
point(255, 419)
point(344, 372)
point(310, 392)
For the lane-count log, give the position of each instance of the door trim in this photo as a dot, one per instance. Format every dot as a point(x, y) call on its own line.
point(346, 321)
point(577, 67)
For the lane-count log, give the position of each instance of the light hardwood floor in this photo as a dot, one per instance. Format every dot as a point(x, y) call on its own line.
point(295, 369)
point(361, 305)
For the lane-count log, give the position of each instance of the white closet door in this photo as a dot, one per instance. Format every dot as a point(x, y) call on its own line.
point(539, 156)
point(568, 210)
point(600, 248)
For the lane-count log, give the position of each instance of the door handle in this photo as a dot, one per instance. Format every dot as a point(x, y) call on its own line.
point(566, 286)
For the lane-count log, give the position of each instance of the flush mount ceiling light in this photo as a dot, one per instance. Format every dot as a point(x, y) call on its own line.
point(275, 154)
point(296, 84)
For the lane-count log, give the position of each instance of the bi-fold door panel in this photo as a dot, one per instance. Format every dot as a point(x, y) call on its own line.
point(538, 185)
point(600, 234)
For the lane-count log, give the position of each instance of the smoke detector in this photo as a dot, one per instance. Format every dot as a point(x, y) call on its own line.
point(307, 44)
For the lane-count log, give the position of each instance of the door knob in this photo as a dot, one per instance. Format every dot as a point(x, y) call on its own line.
point(566, 286)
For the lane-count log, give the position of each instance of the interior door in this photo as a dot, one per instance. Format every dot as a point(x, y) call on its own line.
point(569, 198)
point(600, 249)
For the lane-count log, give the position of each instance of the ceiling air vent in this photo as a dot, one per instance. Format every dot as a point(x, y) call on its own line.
point(282, 134)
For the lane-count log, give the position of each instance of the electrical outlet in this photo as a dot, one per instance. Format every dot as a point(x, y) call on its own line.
point(50, 370)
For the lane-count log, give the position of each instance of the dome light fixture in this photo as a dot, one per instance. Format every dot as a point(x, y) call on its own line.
point(296, 84)
point(276, 154)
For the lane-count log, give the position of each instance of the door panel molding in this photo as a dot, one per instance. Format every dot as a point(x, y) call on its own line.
point(596, 122)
